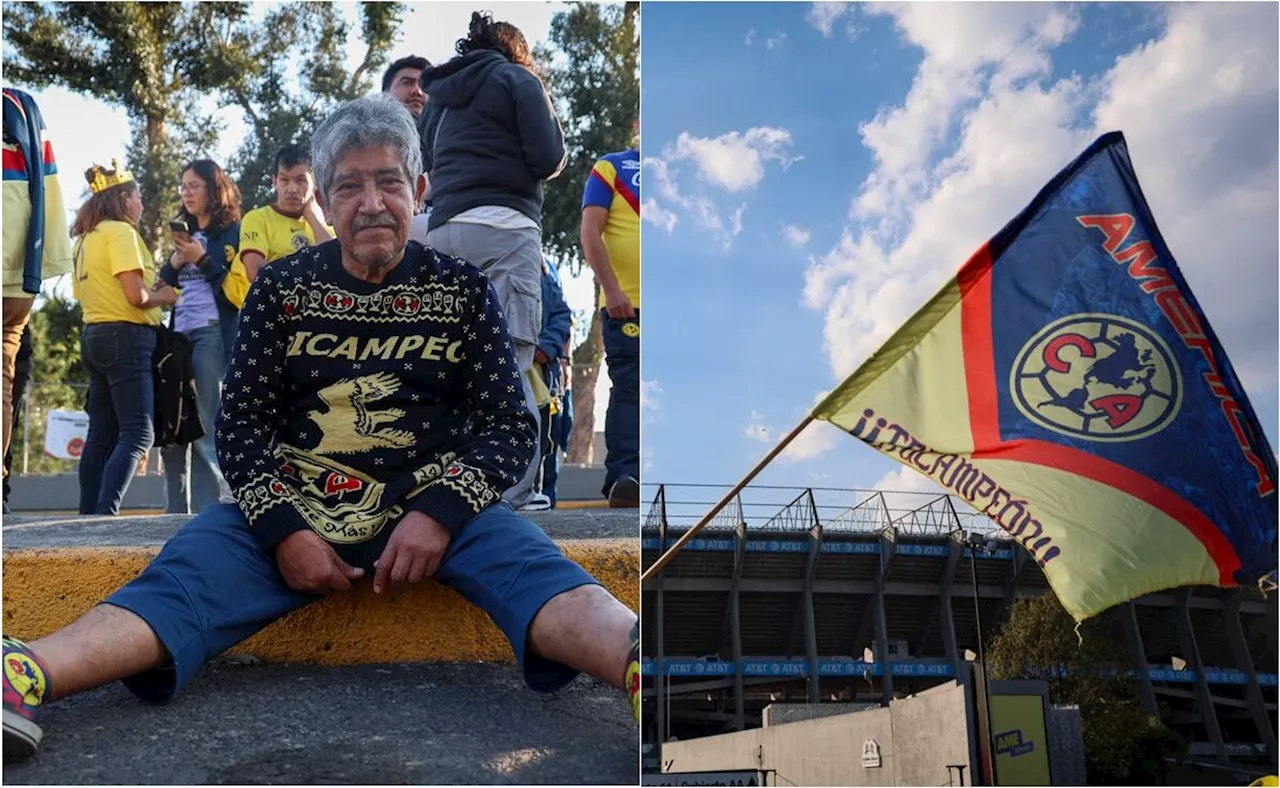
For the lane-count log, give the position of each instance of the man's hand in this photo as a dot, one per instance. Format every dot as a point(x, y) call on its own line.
point(309, 564)
point(617, 305)
point(311, 210)
point(413, 552)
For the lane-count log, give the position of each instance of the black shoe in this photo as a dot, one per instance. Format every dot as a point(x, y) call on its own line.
point(624, 494)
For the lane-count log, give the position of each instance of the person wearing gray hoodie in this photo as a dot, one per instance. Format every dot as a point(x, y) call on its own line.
point(490, 136)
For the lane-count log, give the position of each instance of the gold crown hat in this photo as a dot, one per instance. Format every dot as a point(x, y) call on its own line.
point(102, 181)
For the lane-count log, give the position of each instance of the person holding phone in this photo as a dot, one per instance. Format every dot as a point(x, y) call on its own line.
point(212, 283)
point(113, 282)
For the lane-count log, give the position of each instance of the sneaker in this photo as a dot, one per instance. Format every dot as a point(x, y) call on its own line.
point(633, 671)
point(25, 686)
point(625, 494)
point(537, 503)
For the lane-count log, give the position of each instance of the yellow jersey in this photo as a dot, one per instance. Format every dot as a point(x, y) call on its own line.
point(108, 250)
point(272, 234)
point(614, 183)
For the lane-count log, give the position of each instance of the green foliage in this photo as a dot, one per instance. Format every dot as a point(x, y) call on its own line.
point(135, 55)
point(593, 77)
point(58, 381)
point(159, 61)
point(286, 73)
point(1122, 745)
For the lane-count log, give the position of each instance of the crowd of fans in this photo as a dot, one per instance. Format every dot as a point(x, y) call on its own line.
point(377, 407)
point(489, 138)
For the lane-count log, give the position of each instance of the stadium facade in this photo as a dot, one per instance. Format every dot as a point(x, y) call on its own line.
point(770, 609)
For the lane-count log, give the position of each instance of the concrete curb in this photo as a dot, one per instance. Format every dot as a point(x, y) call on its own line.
point(45, 589)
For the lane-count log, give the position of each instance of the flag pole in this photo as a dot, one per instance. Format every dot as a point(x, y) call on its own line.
point(737, 488)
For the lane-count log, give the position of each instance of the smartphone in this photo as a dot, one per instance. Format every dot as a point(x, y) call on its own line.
point(179, 228)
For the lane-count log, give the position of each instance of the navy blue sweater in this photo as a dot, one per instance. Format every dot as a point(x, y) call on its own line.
point(349, 403)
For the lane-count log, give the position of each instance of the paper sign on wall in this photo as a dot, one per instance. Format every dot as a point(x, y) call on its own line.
point(65, 432)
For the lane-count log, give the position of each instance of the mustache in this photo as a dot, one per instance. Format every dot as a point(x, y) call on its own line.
point(363, 222)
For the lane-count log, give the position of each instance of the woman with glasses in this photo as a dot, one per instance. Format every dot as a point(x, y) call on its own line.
point(212, 285)
point(113, 282)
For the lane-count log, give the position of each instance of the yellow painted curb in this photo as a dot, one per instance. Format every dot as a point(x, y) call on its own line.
point(47, 589)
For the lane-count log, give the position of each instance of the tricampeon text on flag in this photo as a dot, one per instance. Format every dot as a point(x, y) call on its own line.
point(956, 473)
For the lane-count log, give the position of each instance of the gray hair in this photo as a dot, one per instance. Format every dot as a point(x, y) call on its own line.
point(364, 123)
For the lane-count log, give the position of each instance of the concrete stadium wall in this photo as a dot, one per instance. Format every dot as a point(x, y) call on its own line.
point(918, 737)
point(781, 713)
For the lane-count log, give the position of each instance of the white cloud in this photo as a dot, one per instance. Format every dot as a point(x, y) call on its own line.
point(796, 236)
point(776, 40)
point(984, 126)
point(817, 439)
point(751, 36)
point(756, 430)
point(906, 489)
point(654, 213)
point(823, 16)
point(650, 395)
point(734, 161)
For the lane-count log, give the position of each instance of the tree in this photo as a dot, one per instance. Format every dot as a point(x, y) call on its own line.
point(593, 78)
point(257, 66)
point(1122, 745)
point(160, 60)
point(134, 55)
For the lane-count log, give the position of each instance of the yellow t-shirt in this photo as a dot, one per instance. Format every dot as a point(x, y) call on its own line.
point(273, 235)
point(110, 249)
point(614, 184)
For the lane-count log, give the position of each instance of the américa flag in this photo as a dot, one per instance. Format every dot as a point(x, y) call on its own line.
point(1067, 385)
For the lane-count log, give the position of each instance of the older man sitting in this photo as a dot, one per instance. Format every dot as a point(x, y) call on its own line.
point(372, 417)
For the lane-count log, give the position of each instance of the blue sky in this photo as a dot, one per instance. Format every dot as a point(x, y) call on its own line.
point(813, 173)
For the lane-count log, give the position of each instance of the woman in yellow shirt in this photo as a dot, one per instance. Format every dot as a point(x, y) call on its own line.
point(113, 282)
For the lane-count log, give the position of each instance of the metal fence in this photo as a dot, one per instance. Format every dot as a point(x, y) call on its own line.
point(27, 449)
point(776, 508)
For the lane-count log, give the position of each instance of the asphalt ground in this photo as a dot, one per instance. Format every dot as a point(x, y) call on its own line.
point(242, 721)
point(426, 724)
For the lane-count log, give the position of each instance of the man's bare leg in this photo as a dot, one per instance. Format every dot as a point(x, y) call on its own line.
point(588, 630)
point(104, 645)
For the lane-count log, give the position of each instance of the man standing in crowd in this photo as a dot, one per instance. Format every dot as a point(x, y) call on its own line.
point(611, 244)
point(37, 245)
point(490, 136)
point(293, 221)
point(401, 80)
point(373, 414)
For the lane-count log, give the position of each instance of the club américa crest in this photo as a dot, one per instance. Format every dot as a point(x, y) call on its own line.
point(1098, 377)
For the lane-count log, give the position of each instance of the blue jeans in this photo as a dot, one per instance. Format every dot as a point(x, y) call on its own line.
point(622, 419)
point(121, 407)
point(213, 586)
point(198, 462)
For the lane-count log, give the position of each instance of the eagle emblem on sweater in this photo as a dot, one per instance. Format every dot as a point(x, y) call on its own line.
point(356, 419)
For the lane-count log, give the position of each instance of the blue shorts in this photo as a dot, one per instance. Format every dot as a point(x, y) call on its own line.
point(213, 586)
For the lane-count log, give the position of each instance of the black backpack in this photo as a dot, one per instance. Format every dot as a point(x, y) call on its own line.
point(177, 418)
